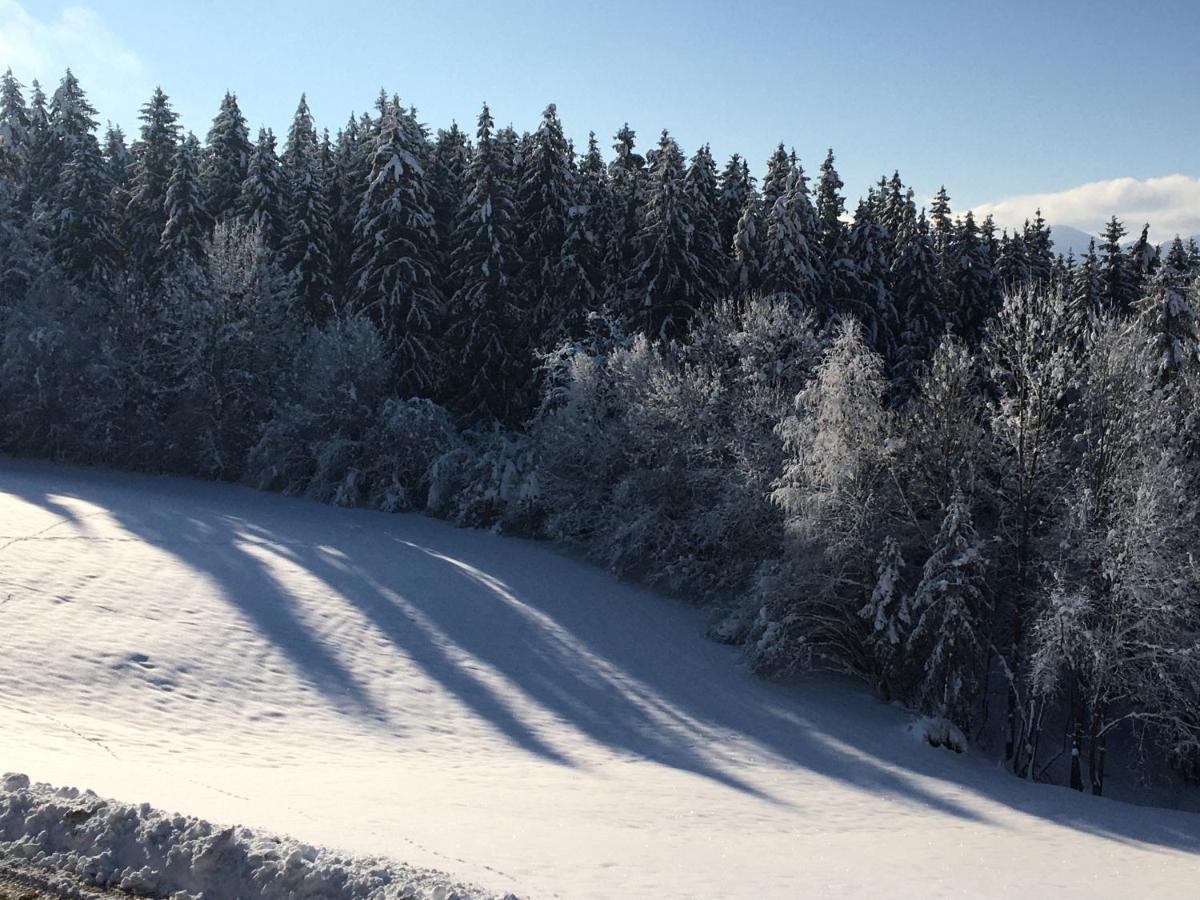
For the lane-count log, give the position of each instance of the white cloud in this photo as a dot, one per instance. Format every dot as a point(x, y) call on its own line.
point(111, 73)
point(1170, 203)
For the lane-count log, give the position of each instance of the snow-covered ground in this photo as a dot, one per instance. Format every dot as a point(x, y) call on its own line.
point(390, 685)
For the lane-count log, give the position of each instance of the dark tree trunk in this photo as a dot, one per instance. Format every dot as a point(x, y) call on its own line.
point(1076, 741)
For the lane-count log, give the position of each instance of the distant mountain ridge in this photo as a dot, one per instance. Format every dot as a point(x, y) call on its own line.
point(1073, 240)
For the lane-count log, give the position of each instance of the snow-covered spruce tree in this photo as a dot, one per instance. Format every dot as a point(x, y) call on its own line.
point(628, 178)
point(348, 181)
point(734, 190)
point(597, 206)
point(949, 612)
point(913, 281)
point(780, 167)
point(261, 202)
point(1012, 270)
point(119, 162)
point(700, 186)
point(14, 130)
point(871, 300)
point(749, 247)
point(448, 187)
point(1039, 249)
point(838, 500)
point(72, 120)
point(82, 222)
point(487, 357)
point(1117, 638)
point(840, 282)
point(1165, 312)
point(40, 177)
point(394, 258)
point(188, 224)
point(544, 200)
point(1143, 260)
point(791, 257)
point(1119, 286)
point(666, 281)
point(971, 280)
point(1030, 369)
point(154, 161)
point(888, 620)
point(1083, 296)
point(226, 159)
point(307, 231)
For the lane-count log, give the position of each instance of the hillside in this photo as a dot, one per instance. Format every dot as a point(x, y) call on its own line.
point(389, 685)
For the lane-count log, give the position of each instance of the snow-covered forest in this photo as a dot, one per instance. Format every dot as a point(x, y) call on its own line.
point(894, 443)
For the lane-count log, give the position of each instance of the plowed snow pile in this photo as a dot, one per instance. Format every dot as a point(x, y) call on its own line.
point(390, 686)
point(81, 838)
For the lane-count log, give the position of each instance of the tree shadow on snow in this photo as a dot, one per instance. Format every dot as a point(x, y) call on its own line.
point(621, 667)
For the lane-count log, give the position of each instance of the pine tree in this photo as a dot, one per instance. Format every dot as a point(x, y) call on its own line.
point(118, 159)
point(154, 161)
point(700, 184)
point(40, 177)
point(226, 159)
point(1014, 268)
point(915, 290)
point(261, 202)
point(971, 279)
point(749, 248)
point(1039, 249)
point(596, 196)
point(735, 189)
point(448, 188)
point(1169, 320)
point(870, 300)
point(1118, 282)
point(791, 257)
point(83, 239)
point(831, 207)
point(72, 120)
point(941, 226)
point(14, 129)
point(887, 616)
point(351, 174)
point(395, 247)
point(666, 279)
point(1176, 260)
point(544, 200)
point(779, 172)
point(949, 610)
point(488, 354)
point(307, 230)
point(628, 177)
point(188, 222)
point(1143, 260)
point(1084, 301)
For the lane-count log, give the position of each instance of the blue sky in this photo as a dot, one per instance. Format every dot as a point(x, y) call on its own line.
point(994, 99)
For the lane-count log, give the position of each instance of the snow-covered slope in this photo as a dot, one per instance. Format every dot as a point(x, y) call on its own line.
point(389, 685)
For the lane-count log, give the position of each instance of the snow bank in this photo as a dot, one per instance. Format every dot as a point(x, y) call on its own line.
point(77, 837)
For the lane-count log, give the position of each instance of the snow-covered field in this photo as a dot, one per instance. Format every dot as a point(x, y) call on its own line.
point(389, 685)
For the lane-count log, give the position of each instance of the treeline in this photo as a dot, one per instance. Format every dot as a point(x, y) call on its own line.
point(897, 444)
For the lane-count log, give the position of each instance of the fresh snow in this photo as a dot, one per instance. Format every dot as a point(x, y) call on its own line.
point(388, 685)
